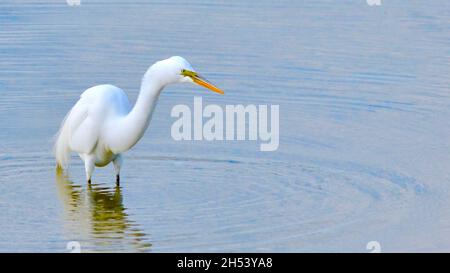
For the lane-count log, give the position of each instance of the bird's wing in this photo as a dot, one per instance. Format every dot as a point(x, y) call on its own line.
point(69, 137)
point(83, 126)
point(81, 123)
point(87, 118)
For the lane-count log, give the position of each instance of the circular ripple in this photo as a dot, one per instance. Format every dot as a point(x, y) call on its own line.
point(198, 204)
point(254, 205)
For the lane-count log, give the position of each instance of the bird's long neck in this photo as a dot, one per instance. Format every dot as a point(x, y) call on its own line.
point(132, 126)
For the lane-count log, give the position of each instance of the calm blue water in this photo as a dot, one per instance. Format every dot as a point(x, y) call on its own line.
point(364, 95)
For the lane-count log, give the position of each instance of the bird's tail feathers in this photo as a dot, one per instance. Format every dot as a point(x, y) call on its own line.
point(61, 148)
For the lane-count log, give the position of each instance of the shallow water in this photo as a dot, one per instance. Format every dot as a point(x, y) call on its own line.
point(364, 126)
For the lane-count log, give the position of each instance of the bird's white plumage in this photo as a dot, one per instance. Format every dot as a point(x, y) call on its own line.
point(86, 127)
point(102, 124)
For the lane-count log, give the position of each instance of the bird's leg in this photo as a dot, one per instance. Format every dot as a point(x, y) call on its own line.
point(117, 165)
point(89, 165)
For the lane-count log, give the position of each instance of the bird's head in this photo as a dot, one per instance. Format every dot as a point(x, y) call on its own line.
point(177, 70)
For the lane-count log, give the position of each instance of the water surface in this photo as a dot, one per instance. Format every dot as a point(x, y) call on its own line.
point(364, 126)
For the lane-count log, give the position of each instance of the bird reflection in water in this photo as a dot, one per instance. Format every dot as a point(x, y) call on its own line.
point(96, 218)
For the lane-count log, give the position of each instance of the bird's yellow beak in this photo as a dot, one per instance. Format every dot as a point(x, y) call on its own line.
point(201, 81)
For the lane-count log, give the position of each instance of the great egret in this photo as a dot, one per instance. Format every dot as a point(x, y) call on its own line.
point(102, 125)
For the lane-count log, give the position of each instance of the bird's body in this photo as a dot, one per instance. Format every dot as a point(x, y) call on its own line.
point(93, 119)
point(102, 124)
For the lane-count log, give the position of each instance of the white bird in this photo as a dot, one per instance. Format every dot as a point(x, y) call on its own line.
point(102, 125)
